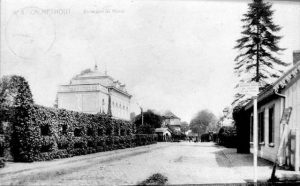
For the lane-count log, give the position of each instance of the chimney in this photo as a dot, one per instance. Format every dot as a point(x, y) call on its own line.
point(296, 56)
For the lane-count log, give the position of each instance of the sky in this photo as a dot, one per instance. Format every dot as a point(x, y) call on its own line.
point(172, 54)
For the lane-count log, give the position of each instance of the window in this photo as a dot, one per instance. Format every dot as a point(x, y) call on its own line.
point(1, 128)
point(123, 132)
point(77, 132)
point(116, 131)
point(90, 131)
point(64, 129)
point(100, 131)
point(46, 148)
point(45, 130)
point(91, 144)
point(108, 131)
point(251, 128)
point(271, 125)
point(261, 127)
point(79, 145)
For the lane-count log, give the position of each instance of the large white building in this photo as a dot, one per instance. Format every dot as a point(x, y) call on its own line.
point(93, 92)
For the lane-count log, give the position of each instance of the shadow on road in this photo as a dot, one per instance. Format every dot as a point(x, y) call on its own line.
point(237, 160)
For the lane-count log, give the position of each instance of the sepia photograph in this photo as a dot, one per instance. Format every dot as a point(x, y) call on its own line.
point(149, 92)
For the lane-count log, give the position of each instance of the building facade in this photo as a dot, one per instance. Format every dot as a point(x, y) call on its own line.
point(171, 120)
point(284, 93)
point(93, 92)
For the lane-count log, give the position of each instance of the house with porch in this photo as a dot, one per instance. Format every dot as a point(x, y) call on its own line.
point(283, 93)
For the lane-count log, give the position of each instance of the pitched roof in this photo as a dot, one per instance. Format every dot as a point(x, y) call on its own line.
point(162, 130)
point(279, 84)
point(169, 114)
point(284, 80)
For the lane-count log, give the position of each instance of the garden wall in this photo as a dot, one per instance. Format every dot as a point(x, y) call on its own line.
point(41, 133)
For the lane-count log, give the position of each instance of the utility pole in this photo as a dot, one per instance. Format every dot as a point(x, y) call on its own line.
point(255, 122)
point(252, 89)
point(255, 138)
point(142, 115)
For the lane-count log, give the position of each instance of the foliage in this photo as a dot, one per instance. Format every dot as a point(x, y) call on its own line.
point(16, 106)
point(41, 133)
point(155, 179)
point(151, 121)
point(213, 127)
point(227, 136)
point(258, 47)
point(2, 162)
point(145, 129)
point(242, 123)
point(203, 119)
point(209, 136)
point(184, 126)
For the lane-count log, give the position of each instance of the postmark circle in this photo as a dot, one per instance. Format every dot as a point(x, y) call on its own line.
point(30, 32)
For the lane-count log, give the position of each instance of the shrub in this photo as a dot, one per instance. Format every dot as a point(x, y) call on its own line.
point(2, 162)
point(155, 179)
point(242, 122)
point(227, 136)
point(205, 137)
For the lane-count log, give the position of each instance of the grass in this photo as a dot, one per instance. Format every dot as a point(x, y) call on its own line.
point(155, 179)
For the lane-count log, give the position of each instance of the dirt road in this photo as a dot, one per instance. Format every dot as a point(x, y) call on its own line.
point(182, 163)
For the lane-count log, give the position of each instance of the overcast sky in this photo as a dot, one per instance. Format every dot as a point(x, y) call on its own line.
point(172, 55)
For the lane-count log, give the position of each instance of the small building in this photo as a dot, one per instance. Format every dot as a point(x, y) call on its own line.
point(284, 93)
point(93, 92)
point(163, 134)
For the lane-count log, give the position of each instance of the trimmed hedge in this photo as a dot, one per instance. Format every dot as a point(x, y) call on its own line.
point(42, 133)
point(242, 122)
point(227, 136)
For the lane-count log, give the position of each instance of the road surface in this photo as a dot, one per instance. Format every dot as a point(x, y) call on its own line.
point(181, 163)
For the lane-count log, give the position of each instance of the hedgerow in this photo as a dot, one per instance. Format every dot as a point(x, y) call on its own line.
point(227, 136)
point(42, 133)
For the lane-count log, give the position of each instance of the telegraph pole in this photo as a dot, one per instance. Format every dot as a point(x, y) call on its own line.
point(252, 89)
point(255, 138)
point(142, 115)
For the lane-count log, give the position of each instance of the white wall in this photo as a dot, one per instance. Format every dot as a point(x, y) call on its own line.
point(88, 102)
point(292, 93)
point(267, 150)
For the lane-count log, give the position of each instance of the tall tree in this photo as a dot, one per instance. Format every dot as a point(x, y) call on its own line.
point(258, 47)
point(151, 120)
point(184, 126)
point(203, 119)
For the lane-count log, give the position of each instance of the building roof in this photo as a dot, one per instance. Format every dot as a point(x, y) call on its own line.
point(88, 73)
point(162, 130)
point(90, 77)
point(92, 74)
point(169, 115)
point(279, 84)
